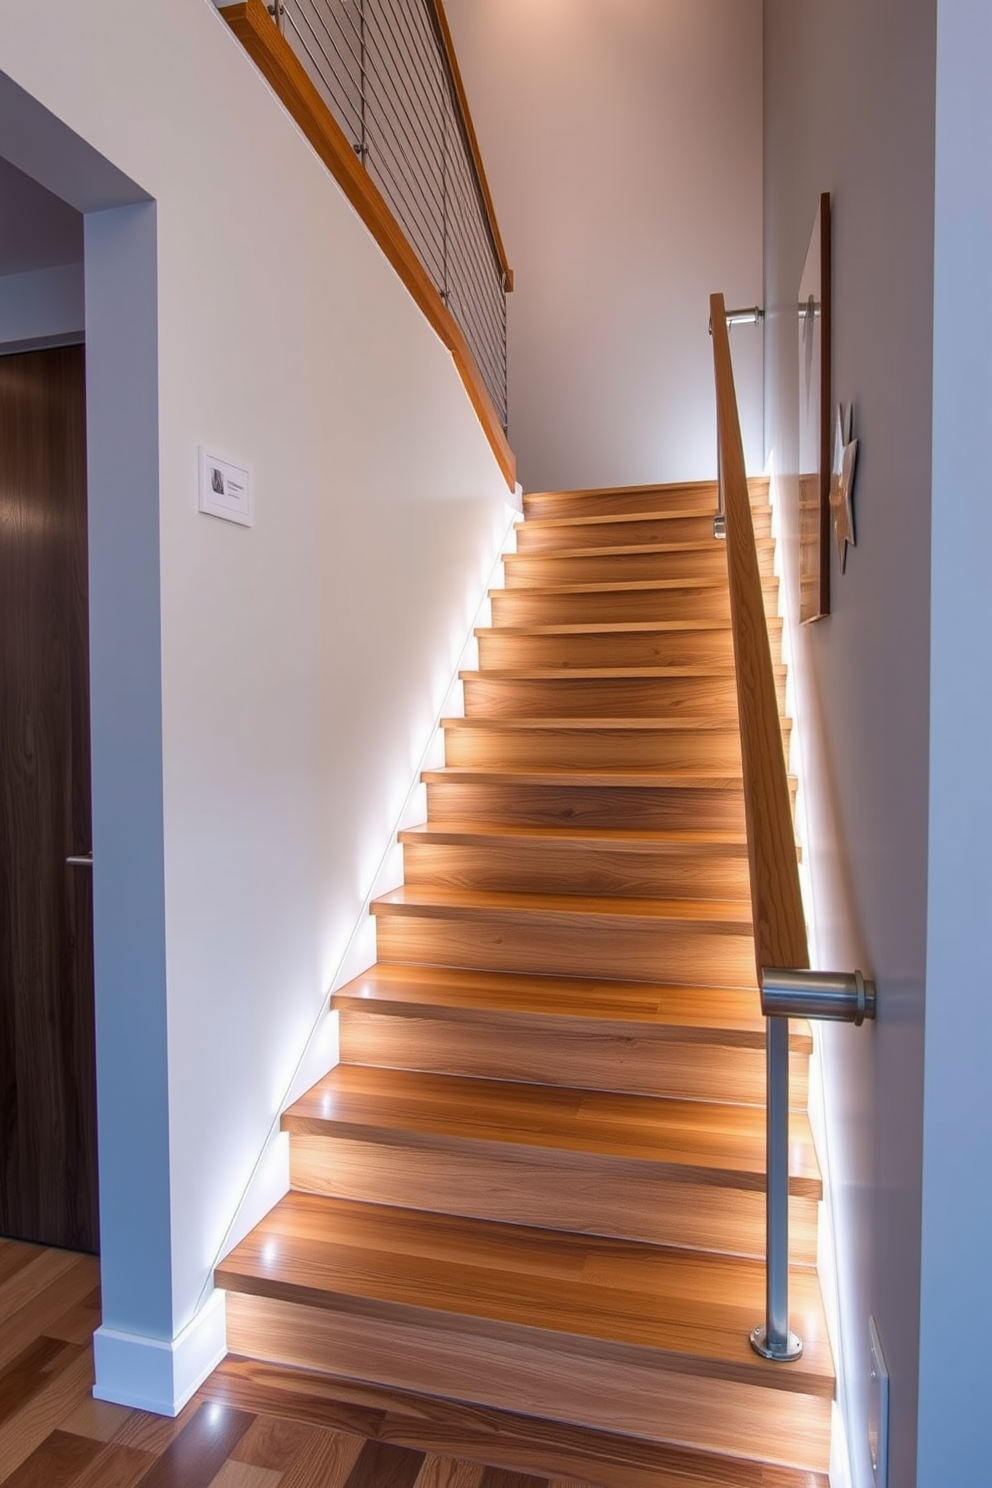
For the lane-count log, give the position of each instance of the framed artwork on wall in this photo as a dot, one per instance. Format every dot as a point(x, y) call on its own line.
point(814, 421)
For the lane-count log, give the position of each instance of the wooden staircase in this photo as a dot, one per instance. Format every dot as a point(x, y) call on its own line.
point(536, 1181)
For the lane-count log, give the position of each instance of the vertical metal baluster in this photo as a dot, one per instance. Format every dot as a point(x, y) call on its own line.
point(363, 143)
point(445, 289)
point(773, 1339)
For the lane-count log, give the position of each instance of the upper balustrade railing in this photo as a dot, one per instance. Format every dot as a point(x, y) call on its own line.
point(387, 71)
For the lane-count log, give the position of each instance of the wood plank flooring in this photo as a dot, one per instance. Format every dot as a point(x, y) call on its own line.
point(259, 1426)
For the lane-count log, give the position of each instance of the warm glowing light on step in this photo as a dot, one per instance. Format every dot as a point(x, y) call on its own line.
point(270, 1252)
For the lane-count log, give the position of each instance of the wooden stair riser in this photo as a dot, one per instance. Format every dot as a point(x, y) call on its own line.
point(562, 1051)
point(575, 945)
point(566, 606)
point(555, 1376)
point(540, 866)
point(644, 530)
point(538, 571)
point(649, 808)
point(564, 1191)
point(508, 746)
point(683, 648)
point(708, 697)
point(687, 496)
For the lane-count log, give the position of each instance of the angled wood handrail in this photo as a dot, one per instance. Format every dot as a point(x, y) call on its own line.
point(776, 898)
point(444, 31)
point(278, 64)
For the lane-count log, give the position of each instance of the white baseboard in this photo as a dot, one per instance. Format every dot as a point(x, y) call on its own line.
point(160, 1375)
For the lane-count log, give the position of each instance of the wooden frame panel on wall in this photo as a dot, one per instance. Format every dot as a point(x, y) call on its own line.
point(814, 421)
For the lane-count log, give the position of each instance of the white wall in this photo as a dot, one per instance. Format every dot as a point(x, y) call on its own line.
point(41, 307)
point(261, 696)
point(849, 108)
point(956, 1312)
point(622, 143)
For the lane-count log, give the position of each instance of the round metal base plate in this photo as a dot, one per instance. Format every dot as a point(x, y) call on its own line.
point(781, 1353)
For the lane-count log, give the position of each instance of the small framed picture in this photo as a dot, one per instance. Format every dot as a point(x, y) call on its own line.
point(224, 489)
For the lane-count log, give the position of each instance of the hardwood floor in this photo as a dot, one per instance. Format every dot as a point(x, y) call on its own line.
point(258, 1426)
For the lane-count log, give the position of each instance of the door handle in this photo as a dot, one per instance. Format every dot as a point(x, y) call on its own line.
point(80, 860)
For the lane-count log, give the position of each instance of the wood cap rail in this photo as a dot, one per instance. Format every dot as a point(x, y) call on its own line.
point(776, 898)
point(278, 64)
point(444, 31)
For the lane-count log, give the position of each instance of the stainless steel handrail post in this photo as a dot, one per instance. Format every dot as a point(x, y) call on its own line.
point(835, 997)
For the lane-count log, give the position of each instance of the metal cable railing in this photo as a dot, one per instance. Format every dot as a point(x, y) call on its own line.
point(383, 69)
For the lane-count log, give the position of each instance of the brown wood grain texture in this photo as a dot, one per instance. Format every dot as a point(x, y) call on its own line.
point(672, 1408)
point(278, 64)
point(675, 599)
point(444, 31)
point(570, 1295)
point(47, 1040)
point(290, 1429)
point(626, 530)
point(602, 501)
point(779, 920)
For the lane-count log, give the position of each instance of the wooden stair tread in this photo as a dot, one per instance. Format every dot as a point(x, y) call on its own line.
point(591, 519)
point(516, 1443)
point(618, 586)
point(631, 550)
point(612, 628)
point(580, 775)
point(630, 839)
point(665, 723)
point(619, 1299)
point(698, 1141)
point(617, 627)
point(724, 673)
point(682, 1014)
point(731, 917)
point(608, 674)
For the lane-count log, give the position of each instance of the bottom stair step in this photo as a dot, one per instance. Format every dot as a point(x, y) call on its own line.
point(616, 1335)
point(461, 1442)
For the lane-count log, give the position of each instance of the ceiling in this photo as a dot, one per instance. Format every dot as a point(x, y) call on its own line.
point(37, 230)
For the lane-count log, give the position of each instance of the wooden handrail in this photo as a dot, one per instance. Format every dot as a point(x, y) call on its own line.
point(279, 65)
point(776, 898)
point(444, 31)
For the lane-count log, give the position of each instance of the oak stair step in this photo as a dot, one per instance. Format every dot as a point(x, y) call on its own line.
point(693, 525)
point(596, 1033)
point(673, 1172)
point(625, 565)
point(605, 692)
point(567, 1454)
point(481, 856)
point(650, 800)
point(679, 496)
point(642, 599)
point(657, 644)
point(614, 1334)
point(672, 744)
point(681, 940)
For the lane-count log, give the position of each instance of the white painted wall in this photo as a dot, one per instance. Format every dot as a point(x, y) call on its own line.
point(956, 1311)
point(261, 696)
point(41, 307)
point(622, 142)
point(849, 108)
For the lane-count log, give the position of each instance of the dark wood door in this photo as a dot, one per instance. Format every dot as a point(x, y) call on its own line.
point(47, 1069)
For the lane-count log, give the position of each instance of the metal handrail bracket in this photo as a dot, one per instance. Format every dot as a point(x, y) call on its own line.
point(836, 997)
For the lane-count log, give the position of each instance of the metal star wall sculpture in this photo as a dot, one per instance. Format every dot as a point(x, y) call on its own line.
point(842, 483)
